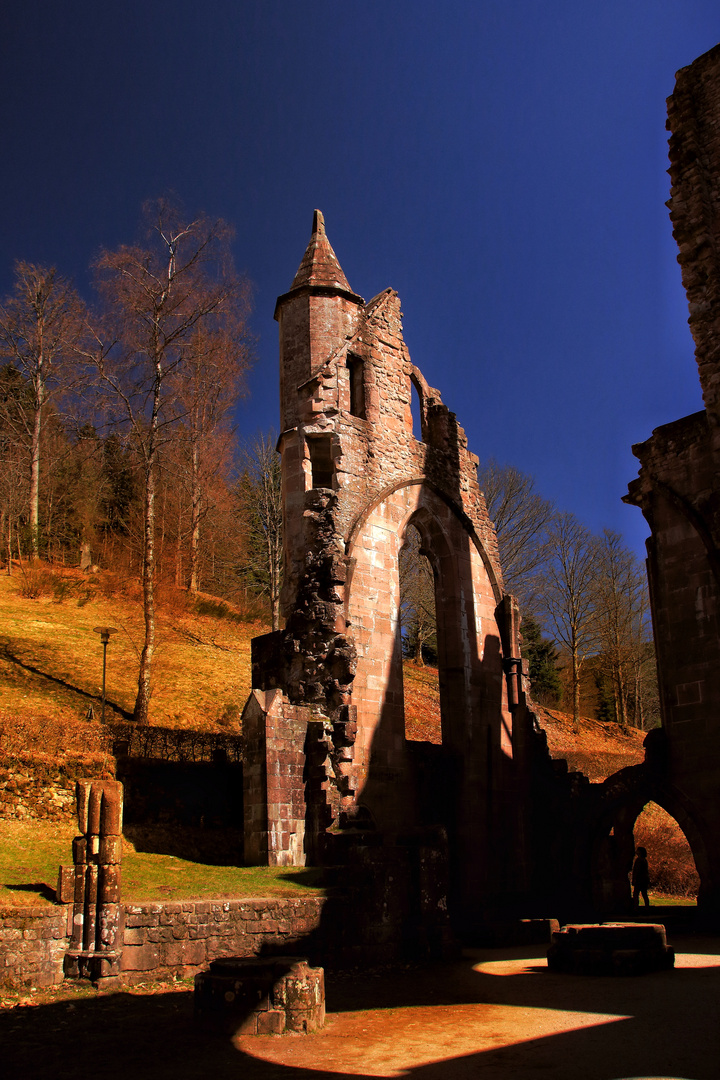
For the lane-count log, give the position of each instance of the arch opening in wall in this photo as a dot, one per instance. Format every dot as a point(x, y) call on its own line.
point(674, 876)
point(322, 463)
point(356, 372)
point(419, 631)
point(416, 407)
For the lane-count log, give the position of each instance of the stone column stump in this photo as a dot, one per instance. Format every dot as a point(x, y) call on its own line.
point(97, 933)
point(610, 949)
point(261, 996)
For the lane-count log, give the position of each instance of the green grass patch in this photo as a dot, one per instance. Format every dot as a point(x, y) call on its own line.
point(31, 852)
point(665, 900)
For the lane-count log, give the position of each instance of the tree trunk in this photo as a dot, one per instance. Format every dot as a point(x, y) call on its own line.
point(196, 506)
point(142, 701)
point(622, 699)
point(35, 476)
point(576, 692)
point(178, 554)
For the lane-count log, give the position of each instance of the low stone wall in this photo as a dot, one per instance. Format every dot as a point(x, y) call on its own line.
point(160, 939)
point(33, 943)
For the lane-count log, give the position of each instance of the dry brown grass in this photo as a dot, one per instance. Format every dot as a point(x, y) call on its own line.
point(422, 703)
point(599, 750)
point(672, 867)
point(51, 658)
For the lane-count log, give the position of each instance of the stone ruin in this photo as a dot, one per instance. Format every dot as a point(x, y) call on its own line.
point(329, 775)
point(678, 491)
point(486, 825)
point(92, 885)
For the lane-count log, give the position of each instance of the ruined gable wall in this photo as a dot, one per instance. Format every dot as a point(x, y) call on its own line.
point(378, 452)
point(383, 477)
point(678, 488)
point(694, 121)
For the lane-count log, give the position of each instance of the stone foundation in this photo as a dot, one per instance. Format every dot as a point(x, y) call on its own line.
point(610, 949)
point(261, 997)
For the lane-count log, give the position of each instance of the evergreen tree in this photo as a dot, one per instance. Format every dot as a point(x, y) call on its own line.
point(542, 657)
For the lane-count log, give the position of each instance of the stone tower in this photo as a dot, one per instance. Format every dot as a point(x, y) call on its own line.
point(325, 726)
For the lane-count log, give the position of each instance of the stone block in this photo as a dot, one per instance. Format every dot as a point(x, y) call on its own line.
point(610, 949)
point(260, 995)
point(143, 957)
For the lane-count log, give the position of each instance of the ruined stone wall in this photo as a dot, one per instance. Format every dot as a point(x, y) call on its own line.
point(354, 477)
point(678, 488)
point(33, 789)
point(274, 782)
point(694, 123)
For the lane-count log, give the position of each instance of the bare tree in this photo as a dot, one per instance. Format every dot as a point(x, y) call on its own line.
point(259, 499)
point(521, 518)
point(213, 379)
point(417, 597)
point(623, 633)
point(158, 297)
point(41, 324)
point(567, 591)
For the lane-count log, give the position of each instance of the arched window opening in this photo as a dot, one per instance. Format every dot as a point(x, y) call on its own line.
point(416, 407)
point(673, 874)
point(321, 461)
point(356, 370)
point(419, 642)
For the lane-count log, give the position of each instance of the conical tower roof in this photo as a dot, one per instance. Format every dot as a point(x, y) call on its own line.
point(319, 264)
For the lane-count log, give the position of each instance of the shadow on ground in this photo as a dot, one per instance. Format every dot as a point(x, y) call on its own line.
point(497, 1013)
point(38, 888)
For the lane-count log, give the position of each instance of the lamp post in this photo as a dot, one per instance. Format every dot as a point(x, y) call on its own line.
point(105, 633)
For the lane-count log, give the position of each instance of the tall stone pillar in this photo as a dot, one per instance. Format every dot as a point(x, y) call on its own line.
point(96, 939)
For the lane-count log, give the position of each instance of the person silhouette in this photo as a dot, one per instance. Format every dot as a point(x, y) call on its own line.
point(640, 878)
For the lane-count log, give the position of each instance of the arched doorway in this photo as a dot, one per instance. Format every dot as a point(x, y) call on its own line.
point(635, 807)
point(673, 873)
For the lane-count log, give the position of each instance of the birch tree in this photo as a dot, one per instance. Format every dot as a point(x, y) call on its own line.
point(41, 325)
point(158, 296)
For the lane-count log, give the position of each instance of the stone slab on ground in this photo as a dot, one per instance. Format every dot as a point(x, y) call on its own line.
point(610, 949)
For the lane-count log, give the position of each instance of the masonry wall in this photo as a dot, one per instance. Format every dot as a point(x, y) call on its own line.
point(354, 477)
point(160, 939)
point(678, 488)
point(694, 124)
point(33, 943)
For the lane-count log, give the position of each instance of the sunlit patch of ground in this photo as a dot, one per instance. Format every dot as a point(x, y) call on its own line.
point(390, 1042)
point(524, 1019)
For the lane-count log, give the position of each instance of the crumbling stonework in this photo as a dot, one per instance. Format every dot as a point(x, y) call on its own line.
point(96, 943)
point(678, 489)
point(261, 996)
point(354, 478)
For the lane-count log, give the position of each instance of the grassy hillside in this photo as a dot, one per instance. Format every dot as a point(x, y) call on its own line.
point(51, 658)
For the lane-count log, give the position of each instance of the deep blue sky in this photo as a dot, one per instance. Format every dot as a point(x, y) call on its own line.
point(501, 163)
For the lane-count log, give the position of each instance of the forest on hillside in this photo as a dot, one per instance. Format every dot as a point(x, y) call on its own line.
point(119, 452)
